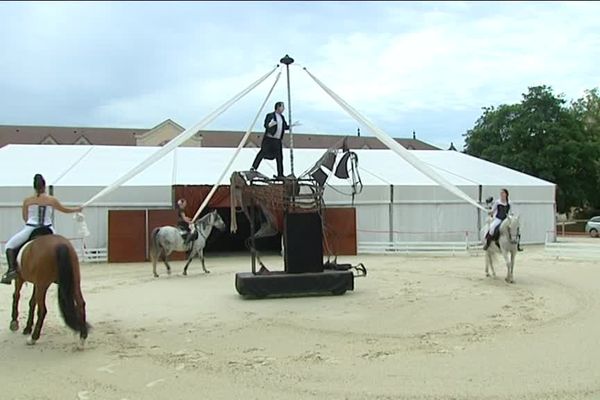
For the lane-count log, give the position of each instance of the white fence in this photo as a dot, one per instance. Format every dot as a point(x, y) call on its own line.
point(572, 249)
point(84, 254)
point(422, 248)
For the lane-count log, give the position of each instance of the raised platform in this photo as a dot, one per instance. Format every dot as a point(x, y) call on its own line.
point(279, 283)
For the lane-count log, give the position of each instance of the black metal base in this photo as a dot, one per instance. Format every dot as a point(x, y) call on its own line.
point(280, 283)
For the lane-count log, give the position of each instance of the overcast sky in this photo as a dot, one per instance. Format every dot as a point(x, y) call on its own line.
point(427, 67)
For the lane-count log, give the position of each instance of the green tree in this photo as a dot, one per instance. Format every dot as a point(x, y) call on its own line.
point(543, 137)
point(587, 111)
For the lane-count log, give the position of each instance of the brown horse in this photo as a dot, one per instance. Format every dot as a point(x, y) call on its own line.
point(45, 260)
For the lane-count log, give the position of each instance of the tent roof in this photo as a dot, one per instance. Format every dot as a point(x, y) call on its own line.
point(71, 165)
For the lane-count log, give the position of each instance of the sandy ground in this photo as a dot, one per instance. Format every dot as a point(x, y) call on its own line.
point(415, 328)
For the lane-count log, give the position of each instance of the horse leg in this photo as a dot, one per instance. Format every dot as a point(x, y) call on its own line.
point(202, 258)
point(513, 255)
point(14, 323)
point(490, 260)
point(153, 257)
point(40, 297)
point(166, 261)
point(191, 256)
point(487, 264)
point(29, 325)
point(507, 261)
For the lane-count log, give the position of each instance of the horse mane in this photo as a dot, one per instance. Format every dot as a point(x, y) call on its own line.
point(204, 220)
point(505, 225)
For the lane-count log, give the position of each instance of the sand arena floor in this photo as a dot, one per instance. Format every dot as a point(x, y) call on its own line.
point(415, 328)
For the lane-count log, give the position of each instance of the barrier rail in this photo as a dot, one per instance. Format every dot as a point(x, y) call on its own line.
point(432, 248)
point(576, 250)
point(84, 254)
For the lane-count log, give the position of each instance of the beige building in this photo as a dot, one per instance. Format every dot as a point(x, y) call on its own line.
point(168, 129)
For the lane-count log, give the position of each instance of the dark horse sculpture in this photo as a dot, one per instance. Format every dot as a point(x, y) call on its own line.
point(45, 259)
point(251, 191)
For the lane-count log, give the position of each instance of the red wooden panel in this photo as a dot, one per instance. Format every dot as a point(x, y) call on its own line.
point(339, 231)
point(158, 218)
point(126, 235)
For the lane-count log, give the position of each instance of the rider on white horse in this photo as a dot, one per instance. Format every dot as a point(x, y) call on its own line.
point(37, 213)
point(184, 223)
point(500, 211)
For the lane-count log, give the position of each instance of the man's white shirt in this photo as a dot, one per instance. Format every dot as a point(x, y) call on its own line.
point(279, 131)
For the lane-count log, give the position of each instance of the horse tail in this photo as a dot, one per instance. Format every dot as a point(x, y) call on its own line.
point(154, 245)
point(66, 288)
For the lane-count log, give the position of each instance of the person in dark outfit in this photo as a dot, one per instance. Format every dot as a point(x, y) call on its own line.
point(183, 221)
point(500, 211)
point(271, 146)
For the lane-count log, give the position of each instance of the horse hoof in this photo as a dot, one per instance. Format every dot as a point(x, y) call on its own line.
point(184, 273)
point(27, 331)
point(14, 325)
point(81, 344)
point(168, 272)
point(207, 272)
point(31, 341)
point(487, 274)
point(156, 275)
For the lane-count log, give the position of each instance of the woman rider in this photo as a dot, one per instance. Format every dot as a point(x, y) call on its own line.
point(37, 212)
point(500, 211)
point(183, 221)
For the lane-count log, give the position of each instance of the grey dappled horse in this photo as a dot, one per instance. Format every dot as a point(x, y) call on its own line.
point(167, 239)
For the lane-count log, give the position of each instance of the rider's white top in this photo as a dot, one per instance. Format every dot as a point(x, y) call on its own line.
point(39, 215)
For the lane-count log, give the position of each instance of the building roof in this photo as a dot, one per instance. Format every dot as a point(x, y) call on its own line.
point(24, 134)
point(19, 134)
point(307, 141)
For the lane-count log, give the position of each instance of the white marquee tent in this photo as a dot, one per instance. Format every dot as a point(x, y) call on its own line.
point(398, 202)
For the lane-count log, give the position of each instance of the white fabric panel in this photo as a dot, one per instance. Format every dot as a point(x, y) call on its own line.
point(198, 165)
point(340, 195)
point(434, 222)
point(372, 223)
point(132, 196)
point(521, 193)
point(536, 220)
point(430, 194)
point(19, 163)
point(476, 169)
point(104, 164)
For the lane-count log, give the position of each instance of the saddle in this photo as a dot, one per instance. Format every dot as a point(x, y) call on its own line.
point(37, 232)
point(188, 236)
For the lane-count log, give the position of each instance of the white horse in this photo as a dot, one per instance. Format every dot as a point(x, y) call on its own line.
point(508, 245)
point(166, 239)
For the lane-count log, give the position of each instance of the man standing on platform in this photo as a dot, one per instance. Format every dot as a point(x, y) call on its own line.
point(271, 146)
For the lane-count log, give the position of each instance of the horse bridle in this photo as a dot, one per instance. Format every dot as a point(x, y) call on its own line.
point(200, 222)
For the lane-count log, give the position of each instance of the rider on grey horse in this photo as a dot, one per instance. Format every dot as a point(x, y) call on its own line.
point(500, 210)
point(184, 223)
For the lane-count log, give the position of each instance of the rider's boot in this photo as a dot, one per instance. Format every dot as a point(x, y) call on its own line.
point(11, 258)
point(488, 240)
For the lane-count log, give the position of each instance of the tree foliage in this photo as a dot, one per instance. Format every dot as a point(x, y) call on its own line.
point(545, 137)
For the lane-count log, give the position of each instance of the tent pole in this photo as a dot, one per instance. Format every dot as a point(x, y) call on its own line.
point(391, 214)
point(479, 212)
point(287, 60)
